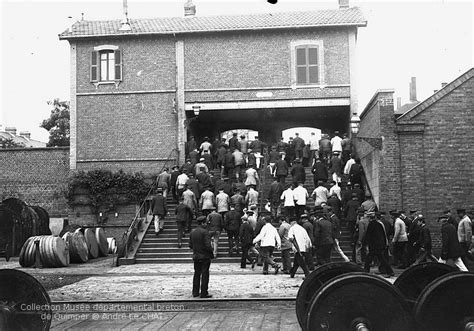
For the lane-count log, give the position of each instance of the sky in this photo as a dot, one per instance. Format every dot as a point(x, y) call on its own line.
point(431, 40)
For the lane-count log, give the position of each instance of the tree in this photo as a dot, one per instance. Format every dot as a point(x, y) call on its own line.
point(58, 124)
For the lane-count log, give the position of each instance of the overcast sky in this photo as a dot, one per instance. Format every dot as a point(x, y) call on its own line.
point(431, 40)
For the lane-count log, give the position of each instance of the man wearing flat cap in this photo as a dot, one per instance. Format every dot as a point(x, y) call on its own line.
point(465, 235)
point(159, 210)
point(200, 243)
point(451, 250)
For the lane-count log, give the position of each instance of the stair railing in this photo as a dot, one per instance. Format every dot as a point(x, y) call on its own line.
point(130, 237)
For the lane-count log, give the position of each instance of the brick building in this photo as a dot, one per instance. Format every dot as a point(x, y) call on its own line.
point(424, 158)
point(140, 87)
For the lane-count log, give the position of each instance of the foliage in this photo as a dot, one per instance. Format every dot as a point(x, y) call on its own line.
point(58, 124)
point(10, 143)
point(106, 190)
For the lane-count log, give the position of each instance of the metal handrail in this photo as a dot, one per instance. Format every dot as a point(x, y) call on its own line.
point(135, 222)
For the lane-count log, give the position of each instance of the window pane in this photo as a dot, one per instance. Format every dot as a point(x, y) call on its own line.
point(111, 67)
point(103, 56)
point(300, 56)
point(313, 55)
point(313, 75)
point(103, 68)
point(301, 75)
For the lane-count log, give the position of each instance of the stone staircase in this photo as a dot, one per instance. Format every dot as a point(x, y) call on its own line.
point(164, 247)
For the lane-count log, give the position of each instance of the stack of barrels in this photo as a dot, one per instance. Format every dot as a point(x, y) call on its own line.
point(74, 244)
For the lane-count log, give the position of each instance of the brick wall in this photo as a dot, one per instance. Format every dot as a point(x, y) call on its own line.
point(440, 160)
point(37, 176)
point(132, 126)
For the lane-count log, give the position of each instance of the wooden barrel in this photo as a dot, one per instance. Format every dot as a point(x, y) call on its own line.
point(92, 245)
point(25, 259)
point(101, 241)
point(77, 245)
point(53, 252)
point(112, 244)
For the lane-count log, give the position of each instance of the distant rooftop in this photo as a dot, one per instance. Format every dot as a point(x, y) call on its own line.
point(24, 138)
point(162, 26)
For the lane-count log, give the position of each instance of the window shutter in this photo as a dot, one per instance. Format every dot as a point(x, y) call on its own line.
point(94, 66)
point(118, 65)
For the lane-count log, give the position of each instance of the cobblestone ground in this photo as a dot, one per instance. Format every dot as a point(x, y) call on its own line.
point(162, 281)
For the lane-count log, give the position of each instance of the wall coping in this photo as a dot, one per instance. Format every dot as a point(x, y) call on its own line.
point(37, 149)
point(374, 99)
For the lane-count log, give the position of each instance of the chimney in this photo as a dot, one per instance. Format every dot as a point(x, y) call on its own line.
point(11, 130)
point(189, 9)
point(399, 102)
point(125, 22)
point(443, 84)
point(413, 90)
point(25, 134)
point(343, 4)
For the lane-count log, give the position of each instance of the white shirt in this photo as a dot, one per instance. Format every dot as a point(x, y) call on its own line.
point(320, 195)
point(313, 143)
point(336, 143)
point(335, 189)
point(300, 194)
point(298, 233)
point(181, 180)
point(400, 234)
point(348, 166)
point(268, 236)
point(287, 197)
point(206, 146)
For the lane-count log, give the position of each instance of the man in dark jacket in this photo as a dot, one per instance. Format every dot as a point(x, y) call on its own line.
point(228, 164)
point(451, 250)
point(323, 237)
point(376, 240)
point(234, 142)
point(274, 195)
point(320, 172)
point(350, 212)
point(423, 244)
point(200, 243)
point(281, 169)
point(159, 210)
point(246, 235)
point(174, 176)
point(335, 167)
point(298, 144)
point(215, 226)
point(184, 215)
point(308, 226)
point(232, 226)
point(194, 186)
point(297, 172)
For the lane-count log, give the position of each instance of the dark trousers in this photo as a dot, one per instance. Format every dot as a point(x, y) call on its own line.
point(245, 255)
point(181, 226)
point(399, 254)
point(379, 254)
point(285, 259)
point(299, 261)
point(299, 210)
point(309, 259)
point(424, 255)
point(281, 178)
point(267, 252)
point(466, 255)
point(323, 253)
point(289, 211)
point(201, 276)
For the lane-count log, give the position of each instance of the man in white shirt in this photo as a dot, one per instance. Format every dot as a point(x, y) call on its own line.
point(335, 188)
point(336, 143)
point(320, 194)
point(181, 183)
point(269, 239)
point(301, 243)
point(300, 194)
point(313, 147)
point(349, 163)
point(465, 234)
point(288, 201)
point(400, 239)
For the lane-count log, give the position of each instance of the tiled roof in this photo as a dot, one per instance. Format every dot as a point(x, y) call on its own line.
point(337, 17)
point(414, 111)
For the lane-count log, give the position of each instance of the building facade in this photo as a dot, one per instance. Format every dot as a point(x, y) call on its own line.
point(139, 89)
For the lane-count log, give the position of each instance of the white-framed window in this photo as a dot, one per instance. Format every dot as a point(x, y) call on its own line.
point(307, 63)
point(106, 64)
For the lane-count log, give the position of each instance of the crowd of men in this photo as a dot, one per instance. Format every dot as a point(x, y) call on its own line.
point(307, 224)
